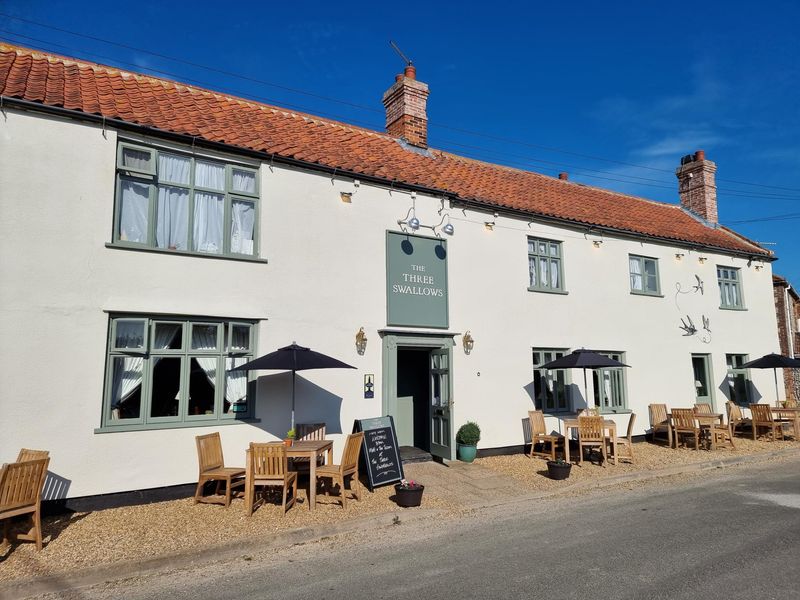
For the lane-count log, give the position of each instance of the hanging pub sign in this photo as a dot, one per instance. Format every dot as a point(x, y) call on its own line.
point(380, 452)
point(416, 281)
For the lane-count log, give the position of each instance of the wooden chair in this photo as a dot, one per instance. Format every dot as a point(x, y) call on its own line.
point(684, 421)
point(348, 468)
point(26, 454)
point(735, 418)
point(308, 431)
point(21, 486)
point(212, 468)
point(625, 444)
point(591, 433)
point(703, 408)
point(720, 435)
point(589, 412)
point(268, 465)
point(659, 421)
point(539, 435)
point(762, 417)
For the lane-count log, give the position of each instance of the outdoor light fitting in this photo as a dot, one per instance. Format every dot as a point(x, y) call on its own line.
point(468, 342)
point(361, 342)
point(413, 223)
point(597, 243)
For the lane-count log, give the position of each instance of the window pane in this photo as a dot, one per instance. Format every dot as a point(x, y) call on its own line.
point(166, 386)
point(553, 249)
point(635, 267)
point(235, 385)
point(126, 387)
point(172, 218)
point(243, 181)
point(204, 337)
point(532, 271)
point(543, 273)
point(139, 160)
point(652, 283)
point(168, 336)
point(174, 168)
point(242, 224)
point(543, 248)
point(650, 267)
point(209, 211)
point(134, 208)
point(531, 247)
point(555, 280)
point(240, 337)
point(202, 385)
point(209, 175)
point(129, 333)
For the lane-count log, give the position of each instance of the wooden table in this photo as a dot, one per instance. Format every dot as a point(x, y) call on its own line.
point(572, 425)
point(312, 449)
point(790, 414)
point(703, 420)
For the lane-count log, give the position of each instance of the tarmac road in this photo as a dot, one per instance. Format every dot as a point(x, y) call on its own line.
point(728, 535)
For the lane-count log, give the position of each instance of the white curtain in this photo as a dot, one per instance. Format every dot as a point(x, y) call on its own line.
point(204, 338)
point(243, 181)
point(209, 213)
point(636, 274)
point(242, 221)
point(554, 274)
point(174, 168)
point(532, 270)
point(135, 159)
point(134, 206)
point(209, 175)
point(236, 381)
point(544, 268)
point(172, 218)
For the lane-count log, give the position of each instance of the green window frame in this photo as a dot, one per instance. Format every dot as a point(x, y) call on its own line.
point(738, 379)
point(644, 276)
point(730, 287)
point(545, 265)
point(610, 386)
point(180, 377)
point(551, 386)
point(165, 200)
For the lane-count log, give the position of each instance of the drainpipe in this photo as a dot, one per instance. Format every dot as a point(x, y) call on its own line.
point(787, 310)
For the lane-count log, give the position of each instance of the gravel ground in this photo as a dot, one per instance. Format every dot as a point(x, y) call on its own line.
point(83, 540)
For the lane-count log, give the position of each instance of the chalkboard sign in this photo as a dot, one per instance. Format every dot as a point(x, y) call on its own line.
point(380, 453)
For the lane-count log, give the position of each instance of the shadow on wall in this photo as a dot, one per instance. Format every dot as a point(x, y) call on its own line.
point(313, 404)
point(574, 394)
point(753, 395)
point(54, 493)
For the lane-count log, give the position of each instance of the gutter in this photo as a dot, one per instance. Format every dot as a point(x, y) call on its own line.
point(455, 201)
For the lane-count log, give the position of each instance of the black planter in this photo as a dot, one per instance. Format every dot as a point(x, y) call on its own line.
point(558, 470)
point(408, 497)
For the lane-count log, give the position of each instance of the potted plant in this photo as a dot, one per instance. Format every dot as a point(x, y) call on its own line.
point(408, 493)
point(289, 439)
point(467, 438)
point(558, 468)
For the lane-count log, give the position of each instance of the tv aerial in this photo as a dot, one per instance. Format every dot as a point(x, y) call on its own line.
point(400, 53)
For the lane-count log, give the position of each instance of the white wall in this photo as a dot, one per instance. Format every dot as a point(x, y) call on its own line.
point(325, 278)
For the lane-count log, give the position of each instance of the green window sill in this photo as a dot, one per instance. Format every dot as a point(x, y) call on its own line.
point(176, 425)
point(237, 257)
point(561, 292)
point(618, 411)
point(648, 294)
point(739, 308)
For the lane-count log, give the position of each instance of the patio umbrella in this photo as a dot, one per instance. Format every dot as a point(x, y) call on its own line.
point(293, 358)
point(773, 361)
point(582, 359)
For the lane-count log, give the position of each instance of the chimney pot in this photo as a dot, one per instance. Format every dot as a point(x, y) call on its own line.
point(697, 187)
point(410, 72)
point(563, 176)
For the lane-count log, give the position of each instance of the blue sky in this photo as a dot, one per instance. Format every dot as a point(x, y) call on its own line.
point(614, 92)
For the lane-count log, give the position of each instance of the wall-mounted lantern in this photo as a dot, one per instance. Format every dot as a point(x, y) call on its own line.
point(361, 342)
point(468, 341)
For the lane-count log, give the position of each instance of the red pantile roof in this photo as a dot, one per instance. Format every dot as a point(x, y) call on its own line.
point(173, 107)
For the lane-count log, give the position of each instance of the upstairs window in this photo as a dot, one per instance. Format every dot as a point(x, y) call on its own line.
point(181, 203)
point(545, 269)
point(730, 287)
point(644, 275)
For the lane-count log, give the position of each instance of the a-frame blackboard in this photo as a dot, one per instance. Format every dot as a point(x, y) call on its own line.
point(380, 452)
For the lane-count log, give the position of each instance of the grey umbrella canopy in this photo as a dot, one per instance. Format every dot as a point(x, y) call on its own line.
point(293, 358)
point(773, 361)
point(582, 359)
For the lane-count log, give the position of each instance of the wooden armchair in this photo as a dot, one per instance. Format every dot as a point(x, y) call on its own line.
point(684, 421)
point(26, 454)
point(703, 408)
point(212, 468)
point(625, 444)
point(735, 418)
point(21, 486)
point(348, 468)
point(539, 435)
point(720, 435)
point(659, 421)
point(591, 433)
point(267, 465)
point(762, 417)
point(308, 431)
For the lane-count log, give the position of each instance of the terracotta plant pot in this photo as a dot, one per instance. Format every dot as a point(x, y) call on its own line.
point(288, 442)
point(408, 497)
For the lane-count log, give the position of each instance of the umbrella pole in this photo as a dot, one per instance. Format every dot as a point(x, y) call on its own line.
point(585, 390)
point(294, 375)
point(777, 398)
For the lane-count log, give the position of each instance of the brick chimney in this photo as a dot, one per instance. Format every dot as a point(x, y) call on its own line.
point(697, 187)
point(405, 104)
